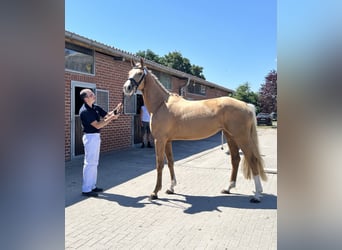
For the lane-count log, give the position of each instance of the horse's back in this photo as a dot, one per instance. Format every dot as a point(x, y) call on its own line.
point(188, 119)
point(180, 109)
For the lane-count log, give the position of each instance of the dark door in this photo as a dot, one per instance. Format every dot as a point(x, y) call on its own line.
point(79, 150)
point(137, 126)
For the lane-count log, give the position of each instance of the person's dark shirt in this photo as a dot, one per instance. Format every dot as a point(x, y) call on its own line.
point(90, 114)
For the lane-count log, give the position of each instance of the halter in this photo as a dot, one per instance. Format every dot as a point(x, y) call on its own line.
point(136, 84)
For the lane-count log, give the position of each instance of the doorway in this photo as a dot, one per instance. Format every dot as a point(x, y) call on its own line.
point(76, 125)
point(137, 126)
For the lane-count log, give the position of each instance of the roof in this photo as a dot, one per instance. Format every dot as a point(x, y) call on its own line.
point(75, 38)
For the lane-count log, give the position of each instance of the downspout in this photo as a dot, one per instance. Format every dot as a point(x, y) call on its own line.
point(182, 91)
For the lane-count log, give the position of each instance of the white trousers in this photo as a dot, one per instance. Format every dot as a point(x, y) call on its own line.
point(92, 143)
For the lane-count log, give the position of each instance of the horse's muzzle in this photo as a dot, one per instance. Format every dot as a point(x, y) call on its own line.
point(128, 88)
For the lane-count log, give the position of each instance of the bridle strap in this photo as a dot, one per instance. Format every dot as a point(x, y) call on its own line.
point(136, 84)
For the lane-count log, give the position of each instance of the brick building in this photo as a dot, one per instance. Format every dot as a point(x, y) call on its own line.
point(90, 64)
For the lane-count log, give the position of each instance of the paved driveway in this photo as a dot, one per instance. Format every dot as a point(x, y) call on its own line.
point(198, 216)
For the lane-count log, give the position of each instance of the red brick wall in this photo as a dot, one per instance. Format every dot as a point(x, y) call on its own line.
point(109, 75)
point(177, 84)
point(214, 92)
point(210, 92)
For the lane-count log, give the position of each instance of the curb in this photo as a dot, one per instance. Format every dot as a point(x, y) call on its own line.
point(271, 171)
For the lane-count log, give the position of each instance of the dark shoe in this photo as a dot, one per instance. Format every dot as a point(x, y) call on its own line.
point(142, 145)
point(149, 145)
point(90, 194)
point(97, 189)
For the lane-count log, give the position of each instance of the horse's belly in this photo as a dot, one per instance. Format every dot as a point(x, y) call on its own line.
point(195, 132)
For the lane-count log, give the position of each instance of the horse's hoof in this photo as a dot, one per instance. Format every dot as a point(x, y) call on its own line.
point(153, 197)
point(168, 191)
point(254, 200)
point(225, 191)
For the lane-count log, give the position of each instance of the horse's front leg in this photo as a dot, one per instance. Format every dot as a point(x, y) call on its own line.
point(160, 151)
point(170, 163)
point(235, 160)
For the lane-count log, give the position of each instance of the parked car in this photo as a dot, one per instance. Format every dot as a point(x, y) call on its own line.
point(274, 116)
point(264, 118)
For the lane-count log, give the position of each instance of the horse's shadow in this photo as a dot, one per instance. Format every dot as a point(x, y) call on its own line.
point(197, 204)
point(125, 201)
point(200, 204)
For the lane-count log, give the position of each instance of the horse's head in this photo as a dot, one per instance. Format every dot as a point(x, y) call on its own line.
point(136, 78)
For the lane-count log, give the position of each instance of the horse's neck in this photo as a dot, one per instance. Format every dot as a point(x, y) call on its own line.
point(154, 94)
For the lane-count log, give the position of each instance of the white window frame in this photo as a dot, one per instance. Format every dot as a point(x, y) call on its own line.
point(104, 105)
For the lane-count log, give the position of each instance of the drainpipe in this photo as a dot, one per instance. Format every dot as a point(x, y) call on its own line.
point(182, 88)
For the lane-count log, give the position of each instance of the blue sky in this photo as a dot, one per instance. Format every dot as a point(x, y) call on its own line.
point(235, 41)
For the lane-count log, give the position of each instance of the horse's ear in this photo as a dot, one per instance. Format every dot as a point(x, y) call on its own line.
point(141, 63)
point(132, 63)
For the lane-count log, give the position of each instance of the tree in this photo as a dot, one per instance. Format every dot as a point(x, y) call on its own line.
point(149, 55)
point(173, 60)
point(268, 93)
point(244, 93)
point(197, 71)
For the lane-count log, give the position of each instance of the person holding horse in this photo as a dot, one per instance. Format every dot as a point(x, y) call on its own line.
point(145, 125)
point(90, 116)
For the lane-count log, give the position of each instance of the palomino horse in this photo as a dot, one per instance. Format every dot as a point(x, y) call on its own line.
point(174, 118)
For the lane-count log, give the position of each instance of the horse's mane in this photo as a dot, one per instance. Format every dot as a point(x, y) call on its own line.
point(161, 85)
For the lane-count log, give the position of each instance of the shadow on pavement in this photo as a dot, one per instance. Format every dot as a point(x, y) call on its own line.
point(123, 200)
point(184, 149)
point(118, 167)
point(197, 204)
point(207, 204)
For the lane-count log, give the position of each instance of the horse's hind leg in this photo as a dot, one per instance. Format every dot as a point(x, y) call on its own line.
point(235, 160)
point(170, 163)
point(160, 151)
point(250, 163)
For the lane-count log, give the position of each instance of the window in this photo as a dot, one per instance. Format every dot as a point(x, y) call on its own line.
point(196, 88)
point(130, 105)
point(78, 58)
point(102, 99)
point(164, 79)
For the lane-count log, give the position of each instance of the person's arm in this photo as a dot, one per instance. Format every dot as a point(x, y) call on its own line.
point(117, 109)
point(108, 118)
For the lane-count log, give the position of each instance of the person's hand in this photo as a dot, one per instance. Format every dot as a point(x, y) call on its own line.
point(117, 109)
point(110, 116)
point(115, 117)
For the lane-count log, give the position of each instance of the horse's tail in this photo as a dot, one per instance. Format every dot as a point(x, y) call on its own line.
point(255, 155)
